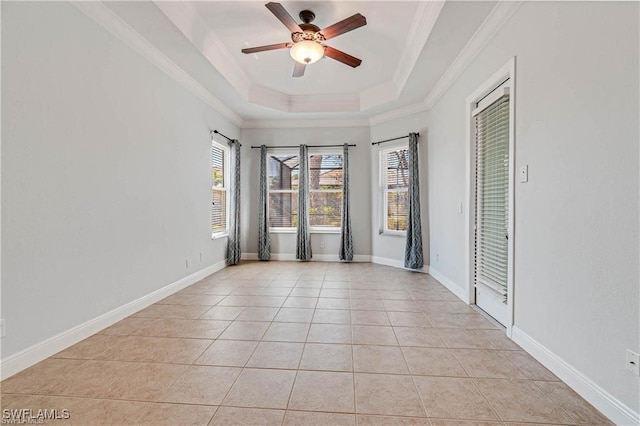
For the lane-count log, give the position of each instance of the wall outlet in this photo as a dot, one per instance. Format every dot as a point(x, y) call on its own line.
point(1, 327)
point(460, 208)
point(321, 243)
point(524, 174)
point(633, 362)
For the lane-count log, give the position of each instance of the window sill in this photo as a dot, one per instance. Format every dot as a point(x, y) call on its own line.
point(313, 231)
point(397, 234)
point(219, 235)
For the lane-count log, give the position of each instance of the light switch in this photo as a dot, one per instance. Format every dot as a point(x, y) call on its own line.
point(524, 174)
point(460, 208)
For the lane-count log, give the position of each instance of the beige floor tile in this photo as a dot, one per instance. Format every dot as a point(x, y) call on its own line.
point(364, 419)
point(188, 328)
point(258, 314)
point(373, 335)
point(329, 333)
point(247, 416)
point(305, 292)
point(105, 412)
point(452, 422)
point(470, 320)
point(499, 340)
point(400, 305)
point(228, 313)
point(419, 336)
point(462, 338)
point(155, 349)
point(330, 357)
point(128, 327)
point(364, 294)
point(323, 391)
point(256, 301)
point(176, 414)
point(488, 364)
point(141, 382)
point(522, 401)
point(276, 355)
point(309, 284)
point(335, 282)
point(261, 388)
point(191, 299)
point(581, 411)
point(307, 418)
point(286, 332)
point(201, 385)
point(89, 348)
point(231, 353)
point(300, 302)
point(367, 304)
point(172, 311)
point(294, 315)
point(369, 318)
point(245, 330)
point(331, 303)
point(530, 367)
point(337, 293)
point(388, 395)
point(332, 316)
point(454, 398)
point(379, 359)
point(432, 362)
point(408, 319)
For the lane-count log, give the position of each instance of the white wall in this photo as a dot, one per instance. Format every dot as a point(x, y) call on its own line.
point(576, 228)
point(105, 174)
point(285, 244)
point(390, 248)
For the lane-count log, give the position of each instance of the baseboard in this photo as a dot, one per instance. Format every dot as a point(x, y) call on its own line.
point(608, 405)
point(449, 284)
point(26, 358)
point(316, 257)
point(396, 264)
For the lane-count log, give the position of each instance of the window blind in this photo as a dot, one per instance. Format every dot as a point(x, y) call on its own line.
point(218, 190)
point(283, 181)
point(395, 182)
point(492, 201)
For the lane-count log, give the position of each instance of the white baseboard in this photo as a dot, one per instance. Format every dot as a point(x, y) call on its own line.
point(26, 358)
point(396, 264)
point(316, 257)
point(611, 407)
point(454, 288)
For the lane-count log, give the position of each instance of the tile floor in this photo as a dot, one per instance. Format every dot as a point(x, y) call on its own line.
point(301, 343)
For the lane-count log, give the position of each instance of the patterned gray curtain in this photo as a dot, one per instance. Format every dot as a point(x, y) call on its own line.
point(233, 244)
point(346, 238)
point(264, 242)
point(413, 256)
point(303, 249)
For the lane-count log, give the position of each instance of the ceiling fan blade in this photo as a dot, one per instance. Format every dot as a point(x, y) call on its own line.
point(284, 17)
point(340, 56)
point(298, 69)
point(267, 47)
point(344, 26)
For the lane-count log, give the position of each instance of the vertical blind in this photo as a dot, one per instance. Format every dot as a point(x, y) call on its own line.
point(218, 190)
point(492, 198)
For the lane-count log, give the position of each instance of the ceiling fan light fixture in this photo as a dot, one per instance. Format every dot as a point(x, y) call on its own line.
point(307, 52)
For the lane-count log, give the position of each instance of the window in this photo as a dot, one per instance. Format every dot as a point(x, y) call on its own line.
point(325, 191)
point(282, 180)
point(394, 182)
point(219, 189)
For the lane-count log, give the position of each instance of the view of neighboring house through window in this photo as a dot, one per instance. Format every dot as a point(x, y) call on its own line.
point(394, 179)
point(283, 177)
point(219, 188)
point(325, 191)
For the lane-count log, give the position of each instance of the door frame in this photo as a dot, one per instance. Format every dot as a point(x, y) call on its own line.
point(507, 71)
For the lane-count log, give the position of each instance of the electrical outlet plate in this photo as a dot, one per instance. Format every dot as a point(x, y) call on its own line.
point(633, 362)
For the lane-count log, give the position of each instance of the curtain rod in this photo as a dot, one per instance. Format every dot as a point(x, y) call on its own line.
point(308, 146)
point(218, 133)
point(394, 139)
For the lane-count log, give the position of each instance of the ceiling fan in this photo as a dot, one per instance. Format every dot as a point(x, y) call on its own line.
point(307, 39)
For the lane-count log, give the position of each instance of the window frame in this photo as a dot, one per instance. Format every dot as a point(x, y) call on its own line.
point(226, 175)
point(384, 188)
point(279, 229)
point(325, 151)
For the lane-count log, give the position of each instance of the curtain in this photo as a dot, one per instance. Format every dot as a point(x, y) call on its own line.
point(413, 256)
point(346, 238)
point(233, 242)
point(264, 242)
point(303, 249)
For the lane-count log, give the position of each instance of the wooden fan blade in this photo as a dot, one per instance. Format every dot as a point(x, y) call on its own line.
point(264, 48)
point(340, 56)
point(284, 17)
point(344, 26)
point(298, 69)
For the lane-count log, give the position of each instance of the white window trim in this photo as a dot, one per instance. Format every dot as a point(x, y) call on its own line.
point(272, 229)
point(382, 191)
point(227, 176)
point(312, 229)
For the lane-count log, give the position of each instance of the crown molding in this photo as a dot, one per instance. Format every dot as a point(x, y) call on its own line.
point(115, 25)
point(298, 124)
point(496, 19)
point(398, 113)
